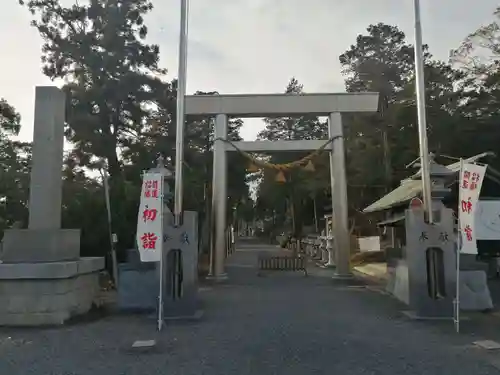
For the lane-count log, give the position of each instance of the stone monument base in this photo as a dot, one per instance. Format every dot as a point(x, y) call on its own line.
point(38, 294)
point(474, 291)
point(40, 245)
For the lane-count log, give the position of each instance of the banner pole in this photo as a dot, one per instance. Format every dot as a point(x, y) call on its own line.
point(459, 248)
point(162, 252)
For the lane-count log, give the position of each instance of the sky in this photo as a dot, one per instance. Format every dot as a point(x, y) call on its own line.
point(249, 46)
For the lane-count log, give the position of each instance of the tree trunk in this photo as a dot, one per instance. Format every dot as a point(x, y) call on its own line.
point(315, 208)
point(384, 120)
point(387, 160)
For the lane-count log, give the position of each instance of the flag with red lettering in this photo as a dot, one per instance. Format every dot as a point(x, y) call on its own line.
point(471, 180)
point(150, 220)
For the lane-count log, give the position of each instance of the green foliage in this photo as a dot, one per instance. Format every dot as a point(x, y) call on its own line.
point(462, 102)
point(382, 61)
point(113, 76)
point(14, 168)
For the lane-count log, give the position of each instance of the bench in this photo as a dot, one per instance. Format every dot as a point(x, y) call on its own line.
point(269, 262)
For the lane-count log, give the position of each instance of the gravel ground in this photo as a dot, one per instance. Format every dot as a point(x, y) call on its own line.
point(278, 324)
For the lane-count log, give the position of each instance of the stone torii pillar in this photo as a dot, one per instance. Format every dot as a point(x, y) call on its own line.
point(275, 105)
point(219, 199)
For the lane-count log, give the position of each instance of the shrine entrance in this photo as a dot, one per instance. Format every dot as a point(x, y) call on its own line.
point(275, 105)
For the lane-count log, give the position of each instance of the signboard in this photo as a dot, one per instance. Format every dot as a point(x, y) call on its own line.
point(471, 180)
point(150, 218)
point(487, 222)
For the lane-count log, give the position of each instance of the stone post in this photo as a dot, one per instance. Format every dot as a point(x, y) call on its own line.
point(47, 159)
point(44, 240)
point(339, 197)
point(219, 199)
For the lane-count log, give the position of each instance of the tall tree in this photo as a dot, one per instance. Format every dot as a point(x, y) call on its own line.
point(478, 58)
point(381, 61)
point(479, 52)
point(113, 77)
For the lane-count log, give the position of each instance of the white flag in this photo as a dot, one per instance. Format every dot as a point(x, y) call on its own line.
point(471, 180)
point(150, 218)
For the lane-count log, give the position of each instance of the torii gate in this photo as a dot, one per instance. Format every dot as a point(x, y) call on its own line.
point(276, 105)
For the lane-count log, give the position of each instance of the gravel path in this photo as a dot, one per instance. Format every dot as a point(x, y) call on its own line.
point(278, 324)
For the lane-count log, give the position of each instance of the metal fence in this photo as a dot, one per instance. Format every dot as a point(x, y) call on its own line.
point(269, 262)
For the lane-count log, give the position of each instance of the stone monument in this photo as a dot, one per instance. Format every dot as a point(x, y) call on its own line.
point(423, 273)
point(181, 275)
point(43, 280)
point(139, 282)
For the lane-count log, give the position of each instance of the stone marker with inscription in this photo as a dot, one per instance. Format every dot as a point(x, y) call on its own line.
point(181, 276)
point(139, 282)
point(431, 260)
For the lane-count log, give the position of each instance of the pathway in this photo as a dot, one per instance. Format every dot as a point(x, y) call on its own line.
point(278, 324)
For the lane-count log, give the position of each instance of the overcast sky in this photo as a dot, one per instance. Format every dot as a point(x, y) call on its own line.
point(249, 46)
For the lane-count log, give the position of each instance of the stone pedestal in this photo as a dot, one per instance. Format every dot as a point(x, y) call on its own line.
point(35, 294)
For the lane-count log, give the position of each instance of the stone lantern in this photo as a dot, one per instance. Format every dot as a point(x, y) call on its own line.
point(440, 175)
point(167, 177)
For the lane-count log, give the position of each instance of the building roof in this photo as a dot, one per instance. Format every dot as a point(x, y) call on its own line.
point(411, 188)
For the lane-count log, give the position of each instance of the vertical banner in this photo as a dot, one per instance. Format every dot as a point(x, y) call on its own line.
point(471, 180)
point(149, 220)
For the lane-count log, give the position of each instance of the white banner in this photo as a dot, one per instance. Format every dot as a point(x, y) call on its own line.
point(471, 180)
point(150, 220)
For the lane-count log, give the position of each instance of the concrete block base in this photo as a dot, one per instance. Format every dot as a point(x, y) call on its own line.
point(39, 294)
